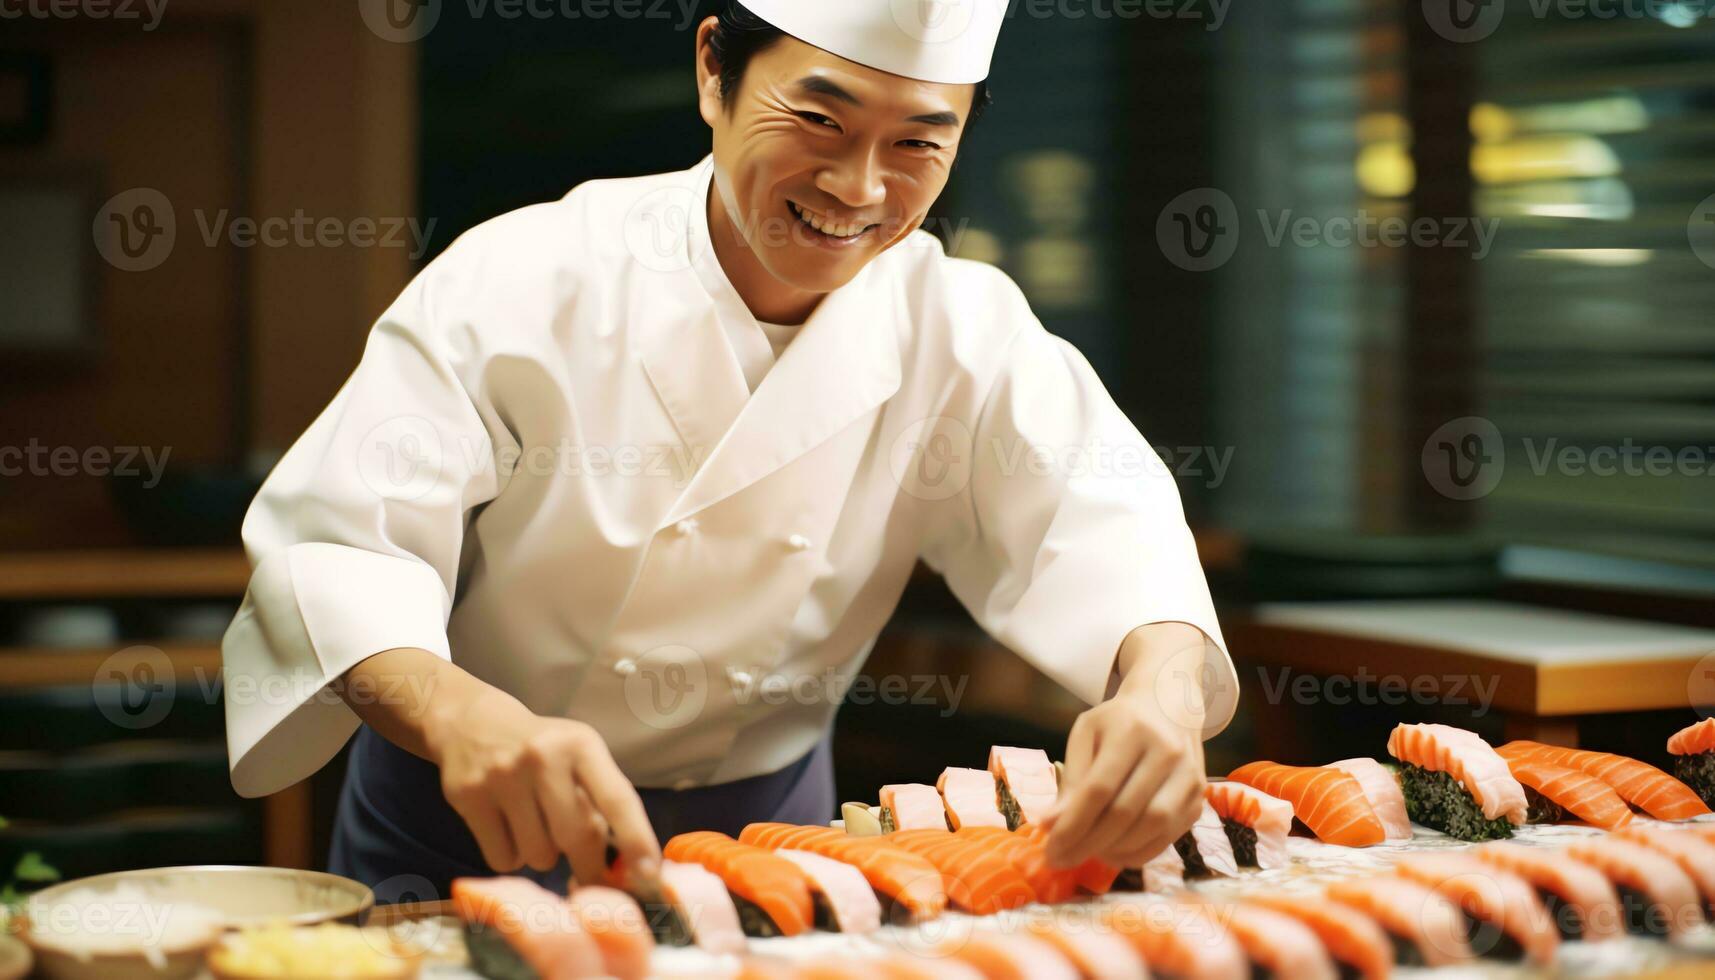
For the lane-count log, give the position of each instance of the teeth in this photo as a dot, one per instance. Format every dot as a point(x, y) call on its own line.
point(826, 226)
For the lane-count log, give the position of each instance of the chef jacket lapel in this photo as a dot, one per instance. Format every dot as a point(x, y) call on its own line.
point(843, 363)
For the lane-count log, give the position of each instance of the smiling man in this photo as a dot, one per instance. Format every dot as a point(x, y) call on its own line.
point(616, 473)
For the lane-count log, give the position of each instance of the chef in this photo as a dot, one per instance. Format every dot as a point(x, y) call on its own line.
point(625, 485)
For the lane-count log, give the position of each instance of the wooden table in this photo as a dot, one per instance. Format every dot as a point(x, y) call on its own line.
point(1547, 666)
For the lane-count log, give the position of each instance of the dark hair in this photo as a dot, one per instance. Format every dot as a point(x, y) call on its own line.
point(741, 35)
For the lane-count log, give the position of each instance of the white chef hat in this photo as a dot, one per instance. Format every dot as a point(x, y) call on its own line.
point(950, 41)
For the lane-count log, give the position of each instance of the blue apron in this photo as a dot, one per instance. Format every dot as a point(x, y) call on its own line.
point(396, 833)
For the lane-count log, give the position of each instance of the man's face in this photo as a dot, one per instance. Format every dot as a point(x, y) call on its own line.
point(824, 164)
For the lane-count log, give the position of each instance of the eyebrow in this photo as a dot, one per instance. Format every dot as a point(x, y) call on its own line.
point(816, 85)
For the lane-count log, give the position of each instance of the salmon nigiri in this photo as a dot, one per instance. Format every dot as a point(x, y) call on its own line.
point(1183, 940)
point(1278, 945)
point(913, 889)
point(1638, 783)
point(1330, 802)
point(1351, 937)
point(1381, 788)
point(1693, 751)
point(615, 921)
point(1026, 782)
point(970, 798)
point(844, 902)
point(1256, 823)
point(1428, 929)
point(1028, 853)
point(1510, 919)
point(1580, 899)
point(1553, 791)
point(1694, 855)
point(1097, 955)
point(979, 878)
point(1008, 956)
point(1205, 848)
point(1657, 897)
point(912, 806)
point(772, 894)
point(1454, 782)
point(514, 926)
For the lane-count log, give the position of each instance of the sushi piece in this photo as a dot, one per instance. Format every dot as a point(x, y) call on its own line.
point(772, 895)
point(1551, 792)
point(843, 900)
point(910, 887)
point(516, 928)
point(1506, 918)
point(1353, 939)
point(1095, 955)
point(1425, 928)
point(1657, 898)
point(1580, 900)
point(910, 966)
point(1205, 848)
point(1007, 956)
point(1278, 945)
point(689, 904)
point(1694, 855)
point(970, 798)
point(1693, 750)
point(1330, 802)
point(1455, 783)
point(1256, 824)
point(1027, 784)
point(1381, 787)
point(1184, 941)
point(912, 806)
point(615, 921)
point(979, 878)
point(1638, 783)
point(1028, 853)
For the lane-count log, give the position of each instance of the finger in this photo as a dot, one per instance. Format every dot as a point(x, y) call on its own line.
point(566, 810)
point(1169, 816)
point(1105, 775)
point(489, 828)
point(529, 832)
point(619, 805)
point(1126, 812)
point(587, 851)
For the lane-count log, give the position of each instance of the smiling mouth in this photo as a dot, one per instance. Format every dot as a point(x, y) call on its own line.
point(827, 227)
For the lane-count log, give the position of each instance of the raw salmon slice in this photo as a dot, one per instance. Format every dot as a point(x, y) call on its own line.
point(1096, 955)
point(1638, 783)
point(1029, 855)
point(912, 806)
point(1580, 899)
point(1330, 802)
point(1578, 793)
point(1656, 896)
point(906, 880)
point(767, 881)
point(1466, 758)
point(1381, 788)
point(839, 889)
point(1693, 739)
point(1005, 956)
point(1508, 917)
point(979, 878)
point(615, 921)
point(512, 921)
point(703, 907)
point(1026, 781)
point(1351, 937)
point(1278, 946)
point(970, 798)
point(1256, 823)
point(1164, 872)
point(1428, 928)
point(1177, 939)
point(1205, 848)
point(1694, 855)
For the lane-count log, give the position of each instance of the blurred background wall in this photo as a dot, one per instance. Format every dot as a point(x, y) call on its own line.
point(1383, 283)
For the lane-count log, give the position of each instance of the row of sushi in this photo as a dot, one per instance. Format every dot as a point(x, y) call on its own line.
point(1499, 901)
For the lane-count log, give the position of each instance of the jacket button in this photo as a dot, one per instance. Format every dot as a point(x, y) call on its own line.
point(625, 667)
point(685, 784)
point(686, 527)
point(799, 542)
point(740, 678)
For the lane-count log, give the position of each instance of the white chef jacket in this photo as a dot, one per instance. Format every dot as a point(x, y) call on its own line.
point(549, 467)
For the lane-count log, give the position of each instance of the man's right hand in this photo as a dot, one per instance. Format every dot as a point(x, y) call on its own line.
point(529, 788)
